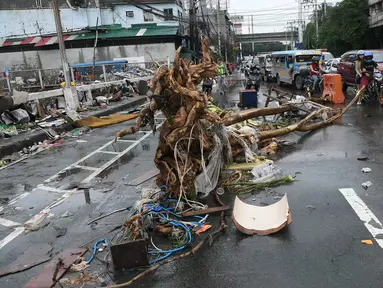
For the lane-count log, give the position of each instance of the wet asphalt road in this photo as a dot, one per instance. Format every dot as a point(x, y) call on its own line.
point(321, 248)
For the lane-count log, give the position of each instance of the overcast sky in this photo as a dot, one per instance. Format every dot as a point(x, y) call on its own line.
point(270, 15)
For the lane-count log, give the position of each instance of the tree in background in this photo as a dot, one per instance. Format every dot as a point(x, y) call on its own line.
point(345, 27)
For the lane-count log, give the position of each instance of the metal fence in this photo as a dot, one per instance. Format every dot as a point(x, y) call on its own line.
point(45, 79)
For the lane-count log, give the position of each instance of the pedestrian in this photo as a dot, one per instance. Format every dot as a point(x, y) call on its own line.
point(359, 72)
point(368, 66)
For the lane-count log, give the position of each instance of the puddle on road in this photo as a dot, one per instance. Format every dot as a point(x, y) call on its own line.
point(9, 189)
point(97, 160)
point(69, 177)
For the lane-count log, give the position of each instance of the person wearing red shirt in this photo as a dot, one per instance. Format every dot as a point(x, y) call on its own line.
point(315, 69)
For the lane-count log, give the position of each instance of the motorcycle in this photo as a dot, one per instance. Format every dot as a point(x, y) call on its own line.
point(207, 86)
point(313, 88)
point(254, 79)
point(374, 90)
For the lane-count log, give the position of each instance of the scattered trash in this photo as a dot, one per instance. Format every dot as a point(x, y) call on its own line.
point(81, 280)
point(266, 172)
point(311, 208)
point(366, 184)
point(366, 170)
point(80, 266)
point(56, 268)
point(60, 231)
point(81, 141)
point(367, 242)
point(76, 132)
point(220, 191)
point(204, 228)
point(66, 214)
point(250, 219)
point(362, 158)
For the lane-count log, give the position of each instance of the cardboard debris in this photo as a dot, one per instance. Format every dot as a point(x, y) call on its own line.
point(251, 219)
point(33, 256)
point(367, 242)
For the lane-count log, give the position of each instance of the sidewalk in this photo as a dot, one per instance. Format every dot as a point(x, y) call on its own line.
point(17, 143)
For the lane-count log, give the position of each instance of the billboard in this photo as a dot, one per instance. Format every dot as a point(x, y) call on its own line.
point(236, 18)
point(238, 28)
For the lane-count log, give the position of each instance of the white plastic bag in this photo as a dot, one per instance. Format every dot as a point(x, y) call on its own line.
point(266, 172)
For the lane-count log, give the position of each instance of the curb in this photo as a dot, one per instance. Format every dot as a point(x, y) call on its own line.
point(39, 136)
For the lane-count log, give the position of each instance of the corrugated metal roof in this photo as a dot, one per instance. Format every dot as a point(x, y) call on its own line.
point(114, 31)
point(33, 4)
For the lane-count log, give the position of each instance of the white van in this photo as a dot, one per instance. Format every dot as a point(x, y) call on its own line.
point(326, 56)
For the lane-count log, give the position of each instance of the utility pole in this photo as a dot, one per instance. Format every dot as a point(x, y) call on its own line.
point(191, 24)
point(252, 25)
point(316, 22)
point(219, 26)
point(325, 8)
point(286, 37)
point(300, 22)
point(60, 37)
point(291, 34)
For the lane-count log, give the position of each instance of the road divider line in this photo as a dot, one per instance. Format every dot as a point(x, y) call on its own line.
point(364, 213)
point(8, 223)
point(17, 231)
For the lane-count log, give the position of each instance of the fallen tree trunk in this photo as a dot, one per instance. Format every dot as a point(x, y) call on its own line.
point(300, 126)
point(255, 112)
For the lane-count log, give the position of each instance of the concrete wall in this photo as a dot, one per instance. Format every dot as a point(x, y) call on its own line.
point(50, 59)
point(121, 18)
point(41, 21)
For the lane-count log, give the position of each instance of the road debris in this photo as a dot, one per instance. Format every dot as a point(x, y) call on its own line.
point(366, 170)
point(55, 269)
point(311, 208)
point(367, 242)
point(251, 219)
point(66, 214)
point(33, 256)
point(362, 158)
point(204, 228)
point(137, 251)
point(60, 231)
point(366, 184)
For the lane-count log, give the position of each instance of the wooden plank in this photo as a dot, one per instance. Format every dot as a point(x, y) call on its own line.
point(55, 269)
point(33, 256)
point(141, 179)
point(206, 211)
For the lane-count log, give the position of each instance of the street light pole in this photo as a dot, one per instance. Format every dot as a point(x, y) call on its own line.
point(316, 22)
point(60, 37)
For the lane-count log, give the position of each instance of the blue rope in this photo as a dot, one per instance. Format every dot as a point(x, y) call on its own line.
point(105, 241)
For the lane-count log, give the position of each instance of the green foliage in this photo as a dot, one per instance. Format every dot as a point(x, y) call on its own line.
point(345, 27)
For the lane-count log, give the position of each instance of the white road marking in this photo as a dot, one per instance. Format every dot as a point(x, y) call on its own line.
point(46, 211)
point(8, 223)
point(14, 200)
point(52, 189)
point(11, 236)
point(364, 213)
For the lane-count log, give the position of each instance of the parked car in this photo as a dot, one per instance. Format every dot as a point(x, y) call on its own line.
point(346, 66)
point(326, 56)
point(331, 66)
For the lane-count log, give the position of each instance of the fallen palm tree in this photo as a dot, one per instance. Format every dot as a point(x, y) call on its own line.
point(194, 145)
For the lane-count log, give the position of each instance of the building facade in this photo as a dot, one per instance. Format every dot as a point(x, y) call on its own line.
point(376, 13)
point(35, 17)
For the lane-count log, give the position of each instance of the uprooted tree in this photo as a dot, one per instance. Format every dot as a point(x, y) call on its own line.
point(192, 137)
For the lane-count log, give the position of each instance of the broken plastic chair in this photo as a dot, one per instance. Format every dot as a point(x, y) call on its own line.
point(251, 219)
